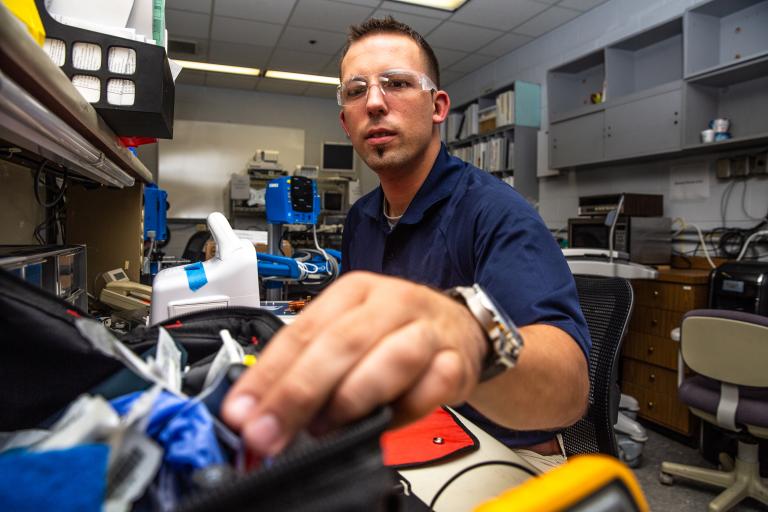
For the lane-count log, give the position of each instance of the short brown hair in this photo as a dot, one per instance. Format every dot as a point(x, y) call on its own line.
point(390, 25)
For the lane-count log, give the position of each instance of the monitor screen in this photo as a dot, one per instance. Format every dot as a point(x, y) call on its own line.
point(332, 201)
point(338, 157)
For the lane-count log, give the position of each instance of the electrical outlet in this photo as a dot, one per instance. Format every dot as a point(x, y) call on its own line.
point(760, 164)
point(723, 168)
point(740, 166)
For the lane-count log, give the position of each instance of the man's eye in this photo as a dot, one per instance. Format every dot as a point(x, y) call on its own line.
point(397, 83)
point(356, 90)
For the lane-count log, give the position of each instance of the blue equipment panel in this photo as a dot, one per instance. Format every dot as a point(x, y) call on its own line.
point(155, 212)
point(292, 200)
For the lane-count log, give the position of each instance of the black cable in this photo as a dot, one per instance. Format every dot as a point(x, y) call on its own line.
point(36, 186)
point(475, 466)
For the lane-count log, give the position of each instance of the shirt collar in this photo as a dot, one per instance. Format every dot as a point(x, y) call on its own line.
point(439, 184)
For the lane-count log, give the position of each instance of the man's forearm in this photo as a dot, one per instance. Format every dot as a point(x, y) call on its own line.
point(546, 390)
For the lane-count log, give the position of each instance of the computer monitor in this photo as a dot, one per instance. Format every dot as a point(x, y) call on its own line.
point(338, 157)
point(333, 201)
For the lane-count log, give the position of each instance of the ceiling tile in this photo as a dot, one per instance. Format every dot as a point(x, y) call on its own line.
point(231, 81)
point(447, 76)
point(189, 24)
point(321, 91)
point(281, 86)
point(415, 9)
point(298, 62)
point(420, 24)
point(332, 68)
point(295, 38)
point(191, 77)
point(498, 14)
point(273, 11)
point(456, 36)
point(233, 30)
point(203, 6)
point(324, 15)
point(446, 57)
point(471, 63)
point(581, 5)
point(546, 21)
point(236, 54)
point(505, 44)
point(370, 3)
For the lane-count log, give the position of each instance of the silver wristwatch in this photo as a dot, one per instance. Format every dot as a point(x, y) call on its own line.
point(504, 340)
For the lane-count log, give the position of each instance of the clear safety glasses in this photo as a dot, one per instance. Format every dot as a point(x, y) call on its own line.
point(394, 84)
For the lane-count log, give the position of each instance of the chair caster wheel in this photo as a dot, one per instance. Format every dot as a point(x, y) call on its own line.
point(666, 478)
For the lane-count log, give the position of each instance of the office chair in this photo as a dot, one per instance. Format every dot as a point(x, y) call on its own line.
point(607, 305)
point(729, 352)
point(195, 248)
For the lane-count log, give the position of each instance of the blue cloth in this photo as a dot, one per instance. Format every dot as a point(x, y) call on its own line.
point(183, 427)
point(466, 226)
point(73, 479)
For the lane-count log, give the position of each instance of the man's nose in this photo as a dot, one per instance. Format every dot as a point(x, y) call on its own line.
point(376, 101)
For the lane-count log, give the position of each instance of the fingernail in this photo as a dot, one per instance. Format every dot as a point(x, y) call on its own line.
point(240, 408)
point(263, 434)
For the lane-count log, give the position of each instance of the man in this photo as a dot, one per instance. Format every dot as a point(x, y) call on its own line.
point(371, 339)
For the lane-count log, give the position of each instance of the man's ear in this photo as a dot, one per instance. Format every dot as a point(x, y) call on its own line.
point(343, 122)
point(442, 105)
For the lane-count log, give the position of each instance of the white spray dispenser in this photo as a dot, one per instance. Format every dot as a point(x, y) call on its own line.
point(230, 278)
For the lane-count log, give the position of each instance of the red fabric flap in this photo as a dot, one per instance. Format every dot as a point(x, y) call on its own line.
point(432, 438)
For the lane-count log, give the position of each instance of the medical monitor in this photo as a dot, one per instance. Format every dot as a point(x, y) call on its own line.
point(338, 157)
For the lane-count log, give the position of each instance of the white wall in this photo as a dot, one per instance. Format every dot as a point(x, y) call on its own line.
point(558, 196)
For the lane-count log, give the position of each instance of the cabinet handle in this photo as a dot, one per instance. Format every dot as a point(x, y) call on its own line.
point(655, 293)
point(651, 350)
point(654, 322)
point(650, 405)
point(652, 377)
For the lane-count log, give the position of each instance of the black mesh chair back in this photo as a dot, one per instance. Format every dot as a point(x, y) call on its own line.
point(607, 305)
point(195, 248)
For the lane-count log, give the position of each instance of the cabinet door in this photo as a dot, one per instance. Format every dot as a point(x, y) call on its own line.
point(576, 141)
point(646, 126)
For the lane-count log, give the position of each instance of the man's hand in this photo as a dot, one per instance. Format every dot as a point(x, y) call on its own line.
point(367, 340)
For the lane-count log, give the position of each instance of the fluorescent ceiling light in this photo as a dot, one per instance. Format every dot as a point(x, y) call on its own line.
point(218, 68)
point(301, 77)
point(443, 5)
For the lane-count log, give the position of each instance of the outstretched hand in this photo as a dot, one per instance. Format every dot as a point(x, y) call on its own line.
point(367, 340)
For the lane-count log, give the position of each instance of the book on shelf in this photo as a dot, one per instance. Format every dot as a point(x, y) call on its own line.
point(505, 108)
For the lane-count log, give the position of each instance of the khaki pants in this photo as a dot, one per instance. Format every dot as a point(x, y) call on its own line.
point(544, 463)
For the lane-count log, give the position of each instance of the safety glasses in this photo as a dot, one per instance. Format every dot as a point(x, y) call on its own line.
point(395, 84)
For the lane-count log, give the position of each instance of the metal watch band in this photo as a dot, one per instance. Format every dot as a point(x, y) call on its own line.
point(504, 343)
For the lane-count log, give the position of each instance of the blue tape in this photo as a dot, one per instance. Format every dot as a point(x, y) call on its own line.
point(196, 276)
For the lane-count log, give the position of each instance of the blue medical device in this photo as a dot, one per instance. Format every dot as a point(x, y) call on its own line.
point(292, 200)
point(155, 212)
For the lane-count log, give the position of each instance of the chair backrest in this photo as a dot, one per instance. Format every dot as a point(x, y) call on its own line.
point(728, 346)
point(607, 305)
point(194, 250)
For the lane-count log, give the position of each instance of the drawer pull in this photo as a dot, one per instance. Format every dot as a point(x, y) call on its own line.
point(650, 405)
point(651, 350)
point(654, 322)
point(652, 377)
point(655, 293)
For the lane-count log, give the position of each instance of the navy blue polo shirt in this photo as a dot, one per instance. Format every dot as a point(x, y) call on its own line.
point(466, 226)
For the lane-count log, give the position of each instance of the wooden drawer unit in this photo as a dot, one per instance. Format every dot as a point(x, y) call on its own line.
point(652, 349)
point(649, 355)
point(671, 296)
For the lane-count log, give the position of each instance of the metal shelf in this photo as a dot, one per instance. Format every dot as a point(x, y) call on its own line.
point(41, 111)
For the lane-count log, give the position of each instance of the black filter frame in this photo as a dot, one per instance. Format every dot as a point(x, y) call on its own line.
point(151, 114)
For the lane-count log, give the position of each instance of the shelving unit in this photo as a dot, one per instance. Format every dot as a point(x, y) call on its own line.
point(724, 32)
point(663, 86)
point(507, 151)
point(44, 116)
